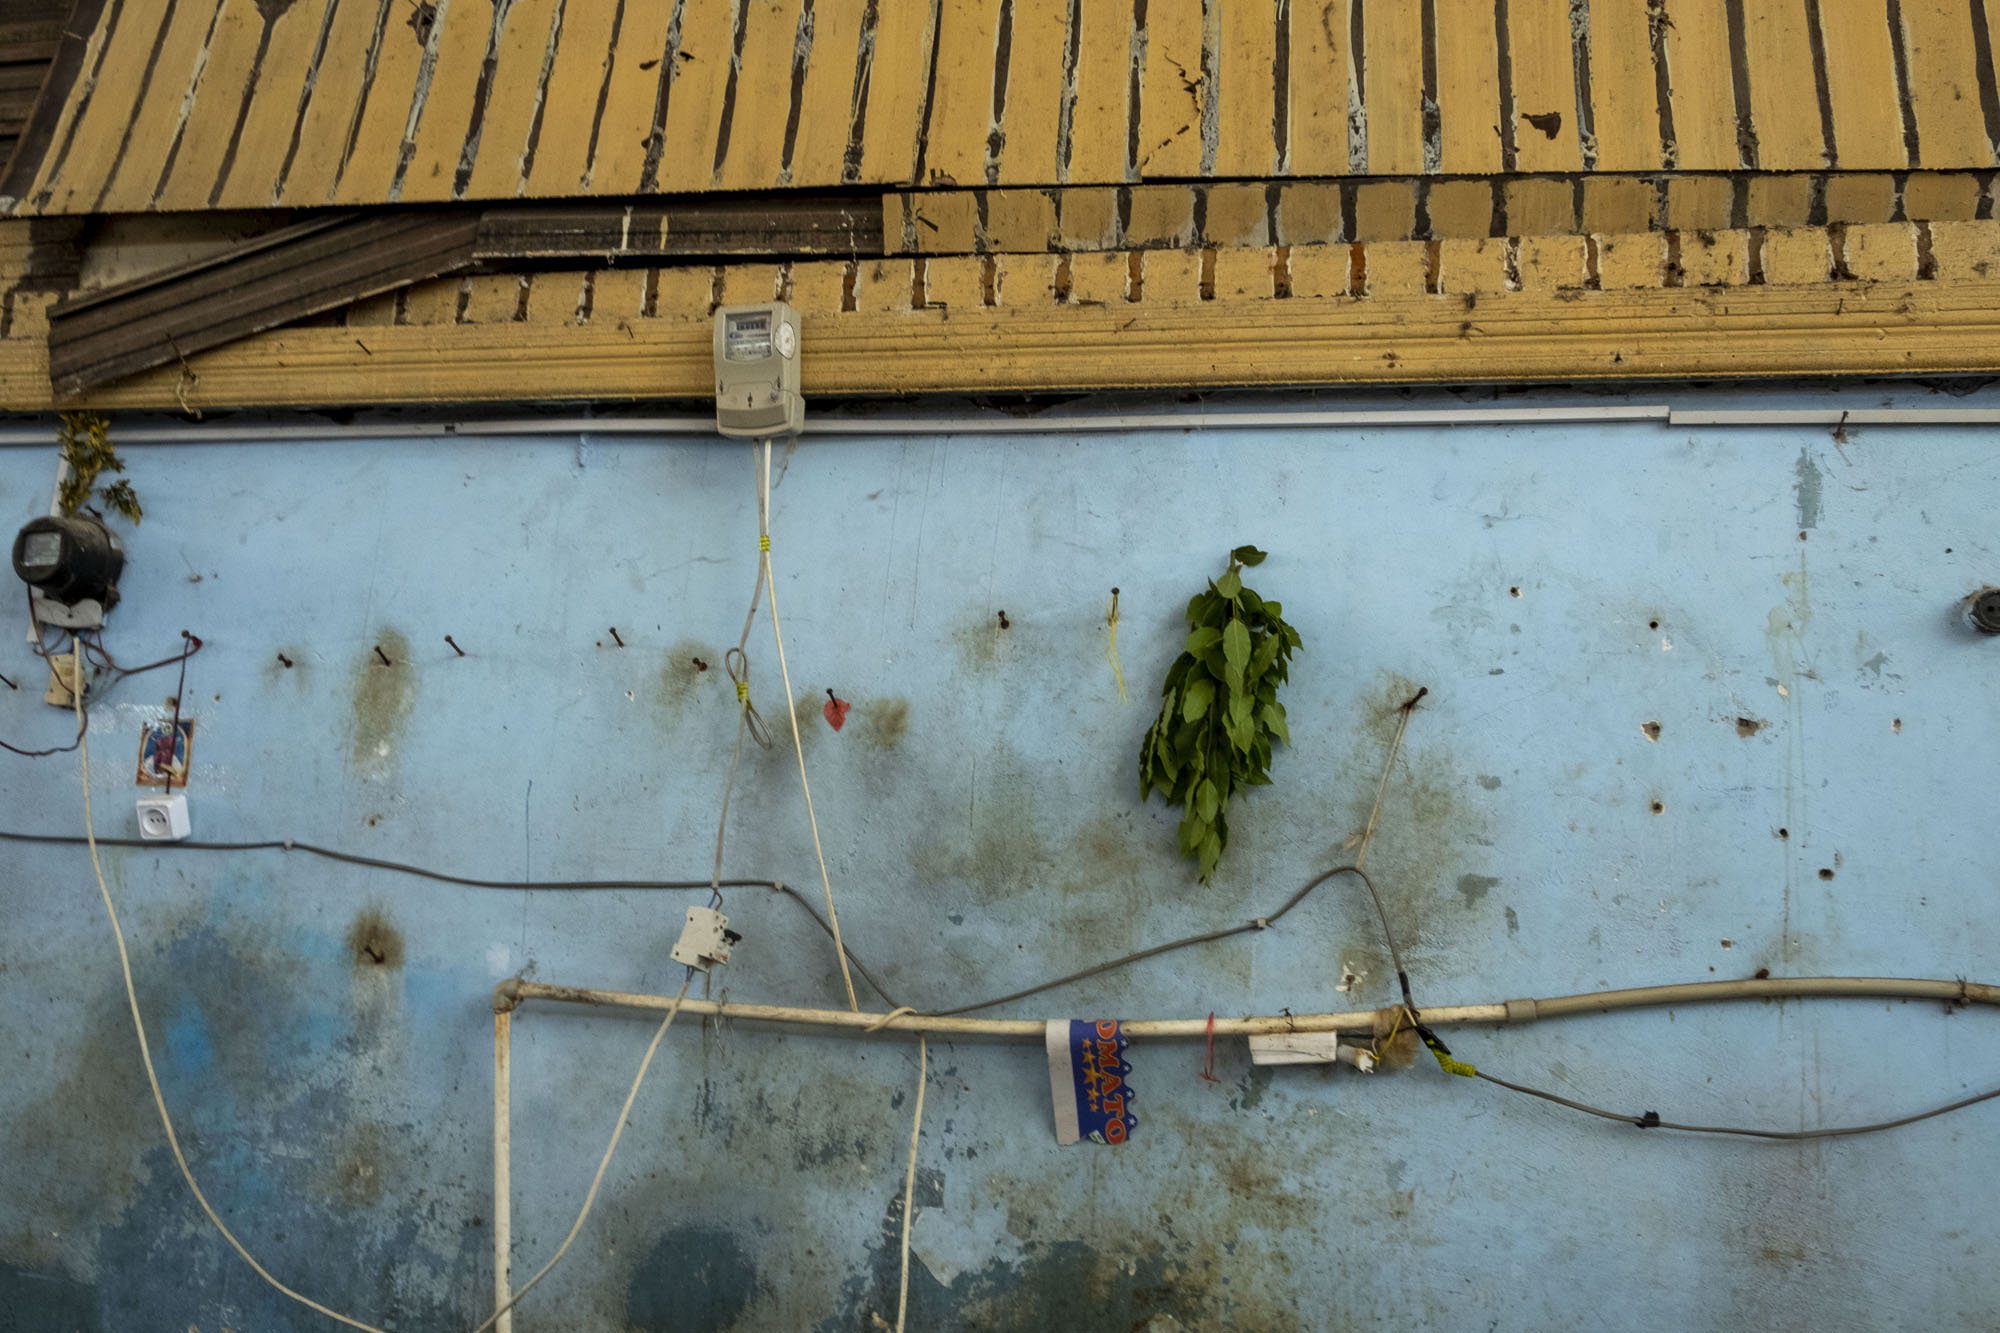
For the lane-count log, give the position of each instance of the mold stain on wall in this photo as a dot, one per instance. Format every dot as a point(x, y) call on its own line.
point(692, 1277)
point(983, 636)
point(242, 1092)
point(1421, 839)
point(384, 692)
point(885, 722)
point(691, 670)
point(1131, 1272)
point(361, 1165)
point(807, 714)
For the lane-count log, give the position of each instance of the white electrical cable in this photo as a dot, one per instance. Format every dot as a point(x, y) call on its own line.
point(604, 1165)
point(910, 1186)
point(167, 1123)
point(791, 712)
point(139, 1025)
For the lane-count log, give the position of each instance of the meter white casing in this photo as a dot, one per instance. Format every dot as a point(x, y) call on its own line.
point(757, 371)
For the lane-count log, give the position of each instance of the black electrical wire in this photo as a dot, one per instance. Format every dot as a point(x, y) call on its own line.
point(1648, 1120)
point(350, 858)
point(82, 726)
point(1255, 923)
point(442, 877)
point(776, 886)
point(101, 659)
point(94, 648)
point(1651, 1119)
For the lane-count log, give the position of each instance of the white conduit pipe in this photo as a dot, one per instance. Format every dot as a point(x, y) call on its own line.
point(1335, 419)
point(512, 992)
point(503, 1168)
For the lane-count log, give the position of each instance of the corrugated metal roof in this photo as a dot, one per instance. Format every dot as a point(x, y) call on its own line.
point(30, 36)
point(1749, 302)
point(334, 258)
point(197, 104)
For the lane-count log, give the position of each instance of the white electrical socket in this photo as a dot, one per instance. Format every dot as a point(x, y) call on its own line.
point(705, 940)
point(164, 818)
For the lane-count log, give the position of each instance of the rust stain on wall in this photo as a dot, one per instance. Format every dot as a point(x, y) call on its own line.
point(373, 941)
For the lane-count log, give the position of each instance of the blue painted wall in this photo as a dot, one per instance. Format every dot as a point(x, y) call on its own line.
point(984, 832)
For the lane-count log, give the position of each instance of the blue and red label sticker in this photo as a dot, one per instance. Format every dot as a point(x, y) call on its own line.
point(1090, 1081)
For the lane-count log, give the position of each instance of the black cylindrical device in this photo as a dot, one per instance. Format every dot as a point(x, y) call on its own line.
point(70, 559)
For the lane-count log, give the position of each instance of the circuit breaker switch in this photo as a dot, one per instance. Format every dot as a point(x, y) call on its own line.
point(705, 940)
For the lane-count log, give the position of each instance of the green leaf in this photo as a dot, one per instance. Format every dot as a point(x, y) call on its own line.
point(120, 498)
point(1201, 639)
point(1156, 766)
point(1176, 673)
point(1247, 555)
point(1236, 651)
point(1196, 697)
point(1229, 585)
point(1273, 610)
point(1242, 712)
point(73, 492)
point(1193, 832)
point(1237, 727)
point(1272, 715)
point(1211, 852)
point(1264, 654)
point(1206, 799)
point(1201, 604)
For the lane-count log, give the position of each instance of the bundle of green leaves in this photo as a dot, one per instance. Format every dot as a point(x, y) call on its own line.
point(1219, 710)
point(85, 441)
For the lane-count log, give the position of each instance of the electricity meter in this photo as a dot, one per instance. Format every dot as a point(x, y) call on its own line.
point(70, 561)
point(757, 370)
